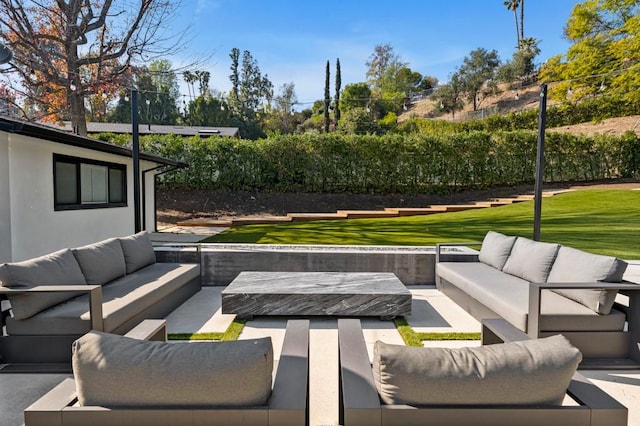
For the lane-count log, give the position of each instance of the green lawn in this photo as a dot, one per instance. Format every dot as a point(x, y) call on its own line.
point(599, 221)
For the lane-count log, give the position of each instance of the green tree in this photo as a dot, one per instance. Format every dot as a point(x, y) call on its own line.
point(282, 119)
point(162, 92)
point(382, 68)
point(477, 75)
point(250, 88)
point(449, 96)
point(208, 111)
point(522, 62)
point(356, 95)
point(327, 99)
point(358, 120)
point(605, 52)
point(336, 113)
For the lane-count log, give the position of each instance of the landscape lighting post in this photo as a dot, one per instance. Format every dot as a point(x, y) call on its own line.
point(542, 118)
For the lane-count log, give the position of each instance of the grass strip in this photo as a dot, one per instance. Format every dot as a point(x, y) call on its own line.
point(231, 333)
point(411, 338)
point(448, 336)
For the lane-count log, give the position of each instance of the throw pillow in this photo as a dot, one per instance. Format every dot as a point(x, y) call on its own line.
point(138, 251)
point(117, 371)
point(531, 372)
point(495, 249)
point(572, 265)
point(531, 260)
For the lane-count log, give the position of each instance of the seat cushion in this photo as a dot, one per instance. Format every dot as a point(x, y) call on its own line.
point(101, 262)
point(58, 268)
point(530, 372)
point(495, 249)
point(117, 371)
point(531, 260)
point(577, 266)
point(138, 251)
point(508, 296)
point(123, 299)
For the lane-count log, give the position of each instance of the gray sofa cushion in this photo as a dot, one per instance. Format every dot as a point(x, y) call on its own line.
point(124, 302)
point(116, 371)
point(138, 251)
point(531, 372)
point(508, 297)
point(531, 260)
point(101, 262)
point(58, 268)
point(495, 249)
point(573, 265)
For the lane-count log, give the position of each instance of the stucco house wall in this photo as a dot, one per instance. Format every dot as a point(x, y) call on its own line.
point(29, 224)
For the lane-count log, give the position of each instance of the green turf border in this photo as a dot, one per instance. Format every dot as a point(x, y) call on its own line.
point(231, 333)
point(411, 338)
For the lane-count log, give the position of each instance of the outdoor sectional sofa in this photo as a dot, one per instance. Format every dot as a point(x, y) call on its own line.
point(108, 286)
point(126, 380)
point(545, 289)
point(519, 382)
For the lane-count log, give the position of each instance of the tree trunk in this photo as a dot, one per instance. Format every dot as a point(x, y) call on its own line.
point(521, 19)
point(515, 17)
point(78, 119)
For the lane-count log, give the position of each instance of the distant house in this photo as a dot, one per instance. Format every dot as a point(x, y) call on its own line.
point(62, 190)
point(157, 129)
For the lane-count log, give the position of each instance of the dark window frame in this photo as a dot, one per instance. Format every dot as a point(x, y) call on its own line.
point(78, 205)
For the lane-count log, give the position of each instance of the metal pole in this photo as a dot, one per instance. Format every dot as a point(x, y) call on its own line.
point(542, 118)
point(136, 159)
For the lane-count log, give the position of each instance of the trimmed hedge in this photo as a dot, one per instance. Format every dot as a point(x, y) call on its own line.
point(393, 163)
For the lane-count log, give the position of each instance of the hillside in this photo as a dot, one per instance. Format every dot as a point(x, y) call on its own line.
point(527, 98)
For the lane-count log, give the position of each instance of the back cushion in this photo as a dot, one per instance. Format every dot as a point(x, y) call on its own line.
point(138, 251)
point(58, 268)
point(529, 372)
point(117, 371)
point(101, 262)
point(573, 265)
point(495, 249)
point(531, 260)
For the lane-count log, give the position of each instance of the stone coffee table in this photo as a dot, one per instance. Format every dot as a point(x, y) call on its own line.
point(316, 293)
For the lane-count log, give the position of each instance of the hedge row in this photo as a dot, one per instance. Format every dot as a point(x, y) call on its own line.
point(408, 163)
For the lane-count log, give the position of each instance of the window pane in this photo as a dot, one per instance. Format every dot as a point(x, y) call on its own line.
point(66, 183)
point(93, 181)
point(116, 186)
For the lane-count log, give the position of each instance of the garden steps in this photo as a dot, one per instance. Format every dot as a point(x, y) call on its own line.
point(307, 217)
point(206, 222)
point(388, 212)
point(259, 220)
point(416, 211)
point(367, 214)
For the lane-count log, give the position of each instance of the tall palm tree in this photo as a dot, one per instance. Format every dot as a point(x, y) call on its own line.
point(513, 5)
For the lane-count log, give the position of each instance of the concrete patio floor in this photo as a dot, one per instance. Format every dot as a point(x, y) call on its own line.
point(431, 312)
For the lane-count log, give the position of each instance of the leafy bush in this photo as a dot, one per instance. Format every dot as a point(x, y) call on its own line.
point(391, 163)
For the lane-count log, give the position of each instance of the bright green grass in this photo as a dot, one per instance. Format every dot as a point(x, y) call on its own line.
point(411, 338)
point(231, 333)
point(599, 221)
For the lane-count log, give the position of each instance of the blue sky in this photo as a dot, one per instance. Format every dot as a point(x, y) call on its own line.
point(292, 40)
